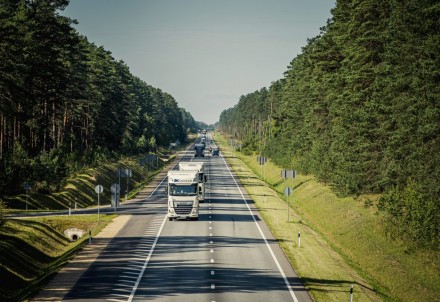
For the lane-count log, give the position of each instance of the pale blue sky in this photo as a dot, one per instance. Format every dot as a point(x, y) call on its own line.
point(205, 53)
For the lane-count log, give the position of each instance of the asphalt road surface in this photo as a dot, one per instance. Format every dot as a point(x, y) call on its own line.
point(227, 255)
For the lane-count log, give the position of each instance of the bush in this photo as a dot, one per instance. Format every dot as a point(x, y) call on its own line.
point(412, 215)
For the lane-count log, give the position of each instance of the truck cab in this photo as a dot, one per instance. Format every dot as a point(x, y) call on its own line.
point(183, 198)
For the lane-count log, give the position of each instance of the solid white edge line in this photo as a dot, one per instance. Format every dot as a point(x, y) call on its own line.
point(141, 273)
point(264, 238)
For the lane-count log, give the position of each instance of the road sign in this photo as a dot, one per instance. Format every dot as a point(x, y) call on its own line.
point(115, 188)
point(123, 172)
point(99, 189)
point(261, 160)
point(288, 174)
point(26, 186)
point(288, 191)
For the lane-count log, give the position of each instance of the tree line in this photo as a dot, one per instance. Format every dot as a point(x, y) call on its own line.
point(65, 101)
point(360, 109)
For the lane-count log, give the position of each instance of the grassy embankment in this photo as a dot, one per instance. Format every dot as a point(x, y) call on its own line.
point(80, 187)
point(342, 240)
point(33, 249)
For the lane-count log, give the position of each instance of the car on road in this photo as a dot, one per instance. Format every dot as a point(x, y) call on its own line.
point(215, 151)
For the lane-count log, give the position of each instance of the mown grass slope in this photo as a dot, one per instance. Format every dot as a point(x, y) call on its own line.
point(79, 188)
point(32, 250)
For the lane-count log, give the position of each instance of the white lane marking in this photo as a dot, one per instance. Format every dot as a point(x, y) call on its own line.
point(211, 242)
point(138, 281)
point(212, 286)
point(212, 260)
point(212, 251)
point(262, 235)
point(212, 272)
point(210, 228)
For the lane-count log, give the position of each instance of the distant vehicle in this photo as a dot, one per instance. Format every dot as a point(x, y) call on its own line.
point(204, 131)
point(183, 199)
point(215, 151)
point(199, 150)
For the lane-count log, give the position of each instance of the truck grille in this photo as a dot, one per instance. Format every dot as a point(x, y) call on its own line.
point(183, 209)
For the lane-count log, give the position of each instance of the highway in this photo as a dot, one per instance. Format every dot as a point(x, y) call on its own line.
point(227, 255)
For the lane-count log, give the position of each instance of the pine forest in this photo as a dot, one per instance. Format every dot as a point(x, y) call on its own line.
point(359, 108)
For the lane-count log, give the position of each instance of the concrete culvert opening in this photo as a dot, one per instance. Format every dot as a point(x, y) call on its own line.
point(74, 234)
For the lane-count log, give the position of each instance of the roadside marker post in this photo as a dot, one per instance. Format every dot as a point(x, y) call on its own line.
point(27, 187)
point(288, 191)
point(98, 189)
point(115, 189)
point(299, 239)
point(351, 293)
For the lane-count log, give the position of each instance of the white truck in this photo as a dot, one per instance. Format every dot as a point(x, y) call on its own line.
point(183, 199)
point(202, 178)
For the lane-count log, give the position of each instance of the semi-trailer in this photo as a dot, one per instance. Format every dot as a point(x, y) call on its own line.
point(199, 167)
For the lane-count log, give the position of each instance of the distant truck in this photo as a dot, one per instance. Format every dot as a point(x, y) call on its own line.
point(199, 150)
point(215, 151)
point(183, 199)
point(202, 178)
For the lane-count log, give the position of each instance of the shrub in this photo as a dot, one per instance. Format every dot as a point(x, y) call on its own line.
point(412, 215)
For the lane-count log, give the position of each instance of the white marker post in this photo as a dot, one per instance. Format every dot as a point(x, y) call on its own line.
point(288, 191)
point(351, 293)
point(98, 189)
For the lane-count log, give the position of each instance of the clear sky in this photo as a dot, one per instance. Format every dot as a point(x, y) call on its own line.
point(205, 53)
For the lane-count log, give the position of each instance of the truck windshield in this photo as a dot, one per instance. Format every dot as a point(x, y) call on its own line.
point(183, 190)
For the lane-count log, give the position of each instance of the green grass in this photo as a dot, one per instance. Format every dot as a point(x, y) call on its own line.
point(343, 242)
point(32, 250)
point(80, 188)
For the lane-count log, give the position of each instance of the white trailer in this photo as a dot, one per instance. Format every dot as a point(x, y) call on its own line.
point(183, 200)
point(200, 168)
